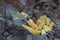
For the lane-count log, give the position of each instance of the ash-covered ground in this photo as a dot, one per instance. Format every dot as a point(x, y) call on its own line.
point(35, 8)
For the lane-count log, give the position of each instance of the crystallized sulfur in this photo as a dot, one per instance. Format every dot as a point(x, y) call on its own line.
point(38, 22)
point(42, 26)
point(24, 15)
point(43, 19)
point(32, 24)
point(46, 28)
point(51, 25)
point(43, 32)
point(31, 29)
point(48, 21)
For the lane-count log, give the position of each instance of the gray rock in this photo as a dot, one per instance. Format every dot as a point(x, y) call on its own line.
point(24, 2)
point(0, 14)
point(38, 37)
point(45, 0)
point(2, 25)
point(56, 39)
point(57, 23)
point(3, 19)
point(13, 37)
point(6, 34)
point(19, 22)
point(29, 37)
point(9, 10)
point(9, 22)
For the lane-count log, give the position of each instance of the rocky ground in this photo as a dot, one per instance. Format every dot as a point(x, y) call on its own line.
point(35, 8)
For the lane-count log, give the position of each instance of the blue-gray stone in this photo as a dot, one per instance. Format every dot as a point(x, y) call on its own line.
point(40, 37)
point(29, 37)
point(19, 22)
point(56, 39)
point(10, 10)
point(13, 37)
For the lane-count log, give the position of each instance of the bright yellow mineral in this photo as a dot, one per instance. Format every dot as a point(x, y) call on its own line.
point(31, 29)
point(38, 22)
point(43, 19)
point(32, 24)
point(43, 32)
point(42, 25)
point(48, 21)
point(51, 25)
point(24, 15)
point(46, 28)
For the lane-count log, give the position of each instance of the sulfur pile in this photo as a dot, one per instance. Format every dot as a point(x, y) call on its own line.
point(42, 26)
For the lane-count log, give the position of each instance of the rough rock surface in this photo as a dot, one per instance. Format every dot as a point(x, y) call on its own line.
point(35, 8)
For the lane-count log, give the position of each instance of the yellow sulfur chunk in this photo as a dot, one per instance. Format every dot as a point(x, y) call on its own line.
point(46, 28)
point(24, 15)
point(44, 16)
point(43, 19)
point(38, 22)
point(40, 26)
point(43, 32)
point(32, 24)
point(31, 30)
point(51, 24)
point(48, 21)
